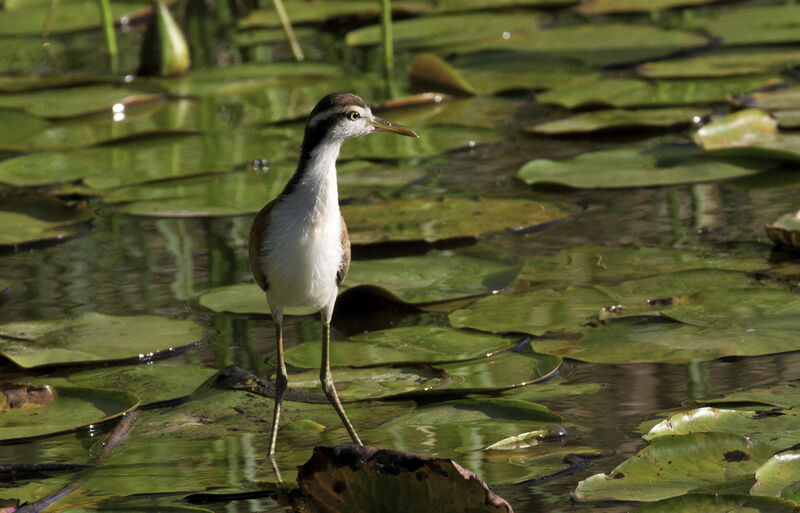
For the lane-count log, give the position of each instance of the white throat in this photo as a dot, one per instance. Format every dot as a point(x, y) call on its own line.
point(317, 191)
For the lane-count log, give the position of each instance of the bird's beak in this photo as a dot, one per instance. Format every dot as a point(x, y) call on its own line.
point(385, 125)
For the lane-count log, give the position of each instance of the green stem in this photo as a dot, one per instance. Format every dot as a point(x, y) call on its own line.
point(287, 29)
point(48, 19)
point(386, 35)
point(108, 33)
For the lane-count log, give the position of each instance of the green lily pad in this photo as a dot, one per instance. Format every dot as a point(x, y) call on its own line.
point(432, 141)
point(153, 383)
point(29, 219)
point(625, 92)
point(18, 126)
point(69, 16)
point(413, 344)
point(617, 119)
point(678, 465)
point(37, 81)
point(452, 29)
point(723, 63)
point(785, 395)
point(593, 44)
point(73, 408)
point(521, 465)
point(446, 218)
point(467, 410)
point(781, 428)
point(785, 231)
point(716, 503)
point(356, 384)
point(243, 298)
point(302, 12)
point(777, 99)
point(755, 25)
point(778, 476)
point(93, 337)
point(27, 55)
point(596, 7)
point(649, 166)
point(76, 101)
point(736, 130)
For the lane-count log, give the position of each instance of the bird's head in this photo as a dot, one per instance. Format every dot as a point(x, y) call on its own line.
point(340, 116)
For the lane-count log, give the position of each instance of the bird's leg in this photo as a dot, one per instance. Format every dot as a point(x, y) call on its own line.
point(281, 380)
point(327, 381)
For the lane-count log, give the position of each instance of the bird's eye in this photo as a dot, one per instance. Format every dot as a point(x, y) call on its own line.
point(354, 115)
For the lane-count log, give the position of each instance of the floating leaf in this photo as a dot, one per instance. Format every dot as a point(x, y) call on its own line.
point(723, 63)
point(76, 101)
point(529, 439)
point(70, 16)
point(433, 140)
point(505, 371)
point(26, 55)
point(678, 464)
point(413, 344)
point(353, 478)
point(649, 166)
point(93, 337)
point(778, 476)
point(538, 462)
point(17, 126)
point(73, 408)
point(741, 129)
point(244, 298)
point(431, 69)
point(783, 98)
point(618, 119)
point(786, 395)
point(716, 503)
point(446, 218)
point(755, 25)
point(785, 231)
point(596, 7)
point(625, 92)
point(302, 12)
point(29, 219)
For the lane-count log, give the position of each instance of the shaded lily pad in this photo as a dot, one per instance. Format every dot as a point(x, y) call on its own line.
point(77, 101)
point(595, 7)
point(618, 119)
point(73, 408)
point(786, 395)
point(538, 462)
point(413, 344)
point(302, 12)
point(678, 464)
point(783, 98)
point(650, 166)
point(26, 55)
point(29, 219)
point(786, 231)
point(93, 337)
point(446, 218)
point(354, 384)
point(624, 92)
point(778, 476)
point(717, 503)
point(70, 16)
point(758, 24)
point(347, 477)
point(18, 126)
point(723, 63)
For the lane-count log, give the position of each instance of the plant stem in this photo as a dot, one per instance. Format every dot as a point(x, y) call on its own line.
point(386, 34)
point(287, 29)
point(108, 34)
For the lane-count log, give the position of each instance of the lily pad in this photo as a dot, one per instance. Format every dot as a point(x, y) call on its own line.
point(432, 141)
point(27, 55)
point(755, 25)
point(625, 92)
point(785, 395)
point(596, 7)
point(70, 16)
point(28, 219)
point(522, 465)
point(413, 344)
point(649, 166)
point(73, 408)
point(302, 12)
point(777, 99)
point(741, 129)
point(93, 337)
point(243, 298)
point(723, 63)
point(76, 101)
point(618, 119)
point(678, 464)
point(778, 476)
point(717, 503)
point(786, 231)
point(445, 218)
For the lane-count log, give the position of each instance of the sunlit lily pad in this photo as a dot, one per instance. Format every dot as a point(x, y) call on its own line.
point(625, 92)
point(93, 337)
point(70, 16)
point(243, 298)
point(785, 395)
point(741, 129)
point(617, 119)
point(413, 344)
point(758, 24)
point(354, 384)
point(28, 219)
point(786, 231)
point(73, 408)
point(77, 101)
point(778, 476)
point(445, 218)
point(595, 7)
point(719, 503)
point(629, 167)
point(678, 465)
point(723, 63)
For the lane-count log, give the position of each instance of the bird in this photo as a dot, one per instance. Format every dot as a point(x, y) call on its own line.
point(299, 247)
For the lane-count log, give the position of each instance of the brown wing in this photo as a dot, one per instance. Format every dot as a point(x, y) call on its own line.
point(256, 246)
point(345, 265)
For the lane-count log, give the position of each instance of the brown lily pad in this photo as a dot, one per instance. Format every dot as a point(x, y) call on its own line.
point(343, 478)
point(786, 231)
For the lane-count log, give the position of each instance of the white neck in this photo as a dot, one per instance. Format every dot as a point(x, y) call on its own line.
point(317, 190)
